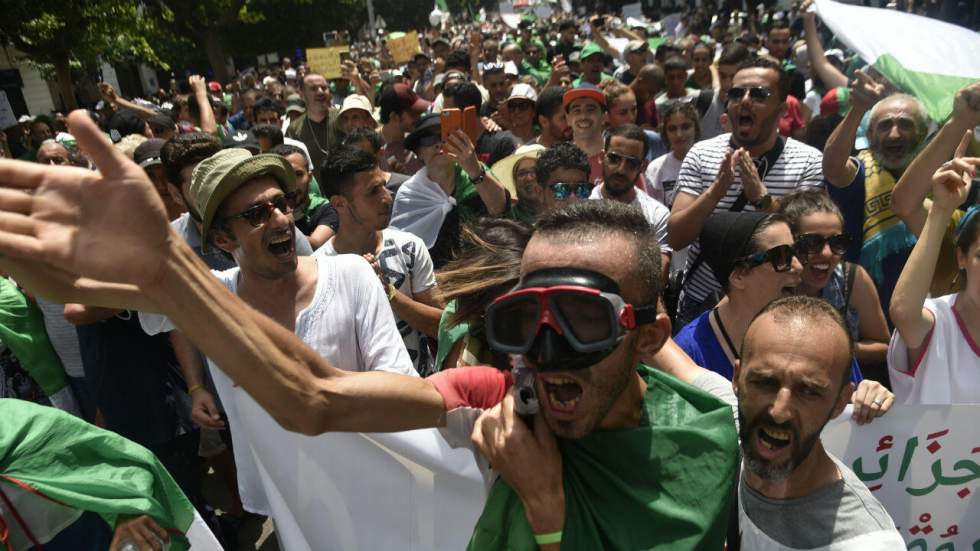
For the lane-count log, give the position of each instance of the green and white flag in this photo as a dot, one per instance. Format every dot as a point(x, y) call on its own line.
point(925, 57)
point(53, 463)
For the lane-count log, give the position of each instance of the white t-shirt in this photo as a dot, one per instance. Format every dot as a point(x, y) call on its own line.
point(348, 322)
point(654, 211)
point(661, 176)
point(947, 370)
point(407, 265)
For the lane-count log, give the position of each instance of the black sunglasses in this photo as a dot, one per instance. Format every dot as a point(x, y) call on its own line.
point(257, 215)
point(813, 243)
point(780, 256)
point(632, 163)
point(758, 94)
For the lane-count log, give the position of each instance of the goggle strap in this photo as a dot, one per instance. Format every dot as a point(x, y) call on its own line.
point(645, 314)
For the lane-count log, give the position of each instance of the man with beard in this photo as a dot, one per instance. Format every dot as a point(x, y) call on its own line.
point(551, 117)
point(356, 187)
point(897, 128)
point(792, 379)
point(586, 478)
point(622, 164)
point(314, 127)
point(748, 169)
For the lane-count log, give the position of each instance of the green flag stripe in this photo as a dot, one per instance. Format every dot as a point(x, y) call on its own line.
point(936, 91)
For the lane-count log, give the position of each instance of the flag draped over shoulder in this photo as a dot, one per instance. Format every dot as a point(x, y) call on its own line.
point(925, 57)
point(72, 462)
point(666, 484)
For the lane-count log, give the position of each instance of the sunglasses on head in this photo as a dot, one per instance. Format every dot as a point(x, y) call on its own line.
point(780, 256)
point(614, 159)
point(758, 94)
point(257, 215)
point(812, 243)
point(562, 191)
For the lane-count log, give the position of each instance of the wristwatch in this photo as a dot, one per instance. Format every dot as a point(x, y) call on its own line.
point(479, 179)
point(763, 203)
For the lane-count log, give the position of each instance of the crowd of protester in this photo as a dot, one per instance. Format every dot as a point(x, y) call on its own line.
point(669, 225)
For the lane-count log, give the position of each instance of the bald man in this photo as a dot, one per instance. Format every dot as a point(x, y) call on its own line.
point(793, 377)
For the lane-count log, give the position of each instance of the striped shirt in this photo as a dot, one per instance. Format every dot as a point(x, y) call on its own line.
point(798, 166)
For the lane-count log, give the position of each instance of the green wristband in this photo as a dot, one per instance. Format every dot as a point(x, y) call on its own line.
point(545, 539)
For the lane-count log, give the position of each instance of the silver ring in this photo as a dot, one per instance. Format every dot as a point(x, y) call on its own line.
point(877, 403)
point(946, 165)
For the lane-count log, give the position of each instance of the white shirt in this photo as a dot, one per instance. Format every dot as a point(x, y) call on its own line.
point(407, 265)
point(348, 322)
point(661, 176)
point(948, 369)
point(654, 211)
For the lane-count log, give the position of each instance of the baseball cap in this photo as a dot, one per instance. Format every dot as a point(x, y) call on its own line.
point(25, 119)
point(590, 49)
point(161, 121)
point(148, 152)
point(241, 139)
point(523, 91)
point(835, 53)
point(290, 73)
point(294, 103)
point(399, 97)
point(214, 86)
point(216, 177)
point(124, 122)
point(584, 90)
point(636, 46)
point(427, 132)
point(355, 101)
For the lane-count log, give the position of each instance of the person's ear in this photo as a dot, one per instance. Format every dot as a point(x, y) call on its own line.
point(338, 201)
point(175, 195)
point(736, 280)
point(652, 336)
point(735, 372)
point(223, 239)
point(843, 398)
point(783, 108)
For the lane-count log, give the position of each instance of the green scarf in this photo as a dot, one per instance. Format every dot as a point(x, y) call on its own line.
point(82, 466)
point(22, 330)
point(665, 485)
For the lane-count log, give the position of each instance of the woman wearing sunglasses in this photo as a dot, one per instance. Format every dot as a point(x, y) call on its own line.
point(754, 257)
point(934, 355)
point(821, 245)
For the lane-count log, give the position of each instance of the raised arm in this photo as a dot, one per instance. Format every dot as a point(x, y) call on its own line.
point(838, 167)
point(199, 89)
point(690, 212)
point(70, 214)
point(950, 186)
point(952, 140)
point(819, 65)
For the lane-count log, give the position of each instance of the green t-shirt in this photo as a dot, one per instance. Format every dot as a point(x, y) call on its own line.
point(666, 484)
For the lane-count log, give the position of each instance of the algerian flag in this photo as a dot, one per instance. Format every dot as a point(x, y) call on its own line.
point(54, 465)
point(925, 57)
point(442, 6)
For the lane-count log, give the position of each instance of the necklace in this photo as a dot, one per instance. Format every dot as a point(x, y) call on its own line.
point(724, 333)
point(316, 141)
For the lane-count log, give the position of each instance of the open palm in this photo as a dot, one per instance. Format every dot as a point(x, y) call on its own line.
point(108, 225)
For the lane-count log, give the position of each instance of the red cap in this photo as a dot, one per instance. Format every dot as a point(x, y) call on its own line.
point(215, 86)
point(400, 97)
point(586, 90)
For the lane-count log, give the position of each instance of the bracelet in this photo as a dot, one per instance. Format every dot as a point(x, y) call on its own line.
point(545, 539)
point(392, 291)
point(193, 389)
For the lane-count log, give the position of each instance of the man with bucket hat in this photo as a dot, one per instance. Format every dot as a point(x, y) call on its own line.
point(245, 202)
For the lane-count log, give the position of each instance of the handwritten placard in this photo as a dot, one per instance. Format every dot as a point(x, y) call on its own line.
point(923, 464)
point(325, 61)
point(404, 48)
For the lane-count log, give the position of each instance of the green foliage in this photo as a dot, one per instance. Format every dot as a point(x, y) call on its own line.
point(83, 31)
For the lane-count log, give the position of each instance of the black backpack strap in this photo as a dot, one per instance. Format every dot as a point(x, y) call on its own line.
point(850, 268)
point(734, 535)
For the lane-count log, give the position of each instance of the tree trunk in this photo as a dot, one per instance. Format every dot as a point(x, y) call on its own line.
point(216, 56)
point(62, 69)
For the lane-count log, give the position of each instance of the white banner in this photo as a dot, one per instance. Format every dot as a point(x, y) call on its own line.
point(347, 492)
point(923, 464)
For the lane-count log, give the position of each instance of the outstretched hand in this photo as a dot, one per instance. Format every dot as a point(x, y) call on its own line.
point(108, 225)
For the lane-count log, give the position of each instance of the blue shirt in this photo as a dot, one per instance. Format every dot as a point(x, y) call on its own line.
point(698, 340)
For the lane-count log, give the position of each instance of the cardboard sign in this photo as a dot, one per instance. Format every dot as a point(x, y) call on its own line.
point(923, 465)
point(325, 61)
point(633, 10)
point(404, 48)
